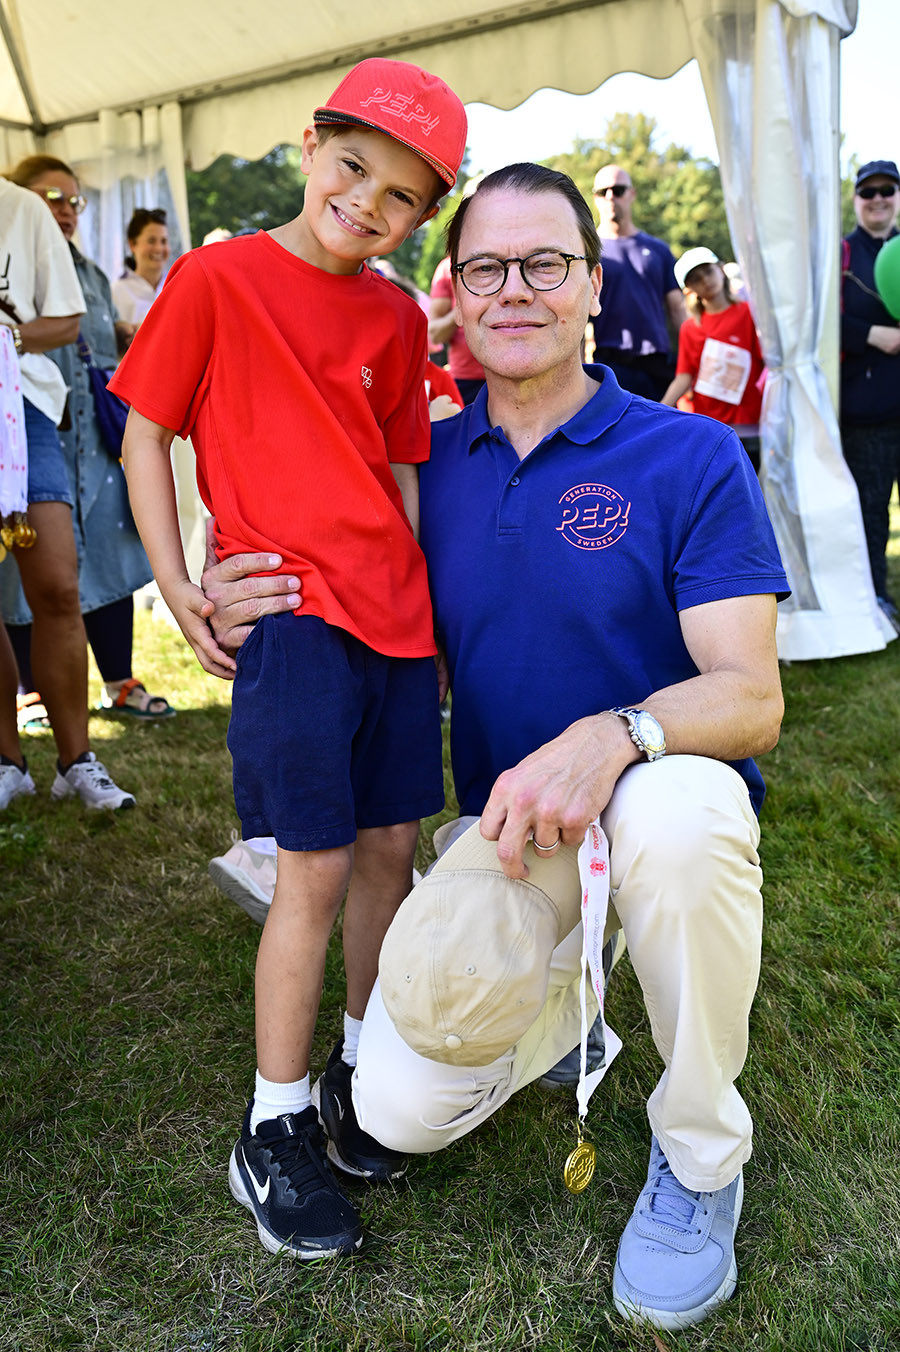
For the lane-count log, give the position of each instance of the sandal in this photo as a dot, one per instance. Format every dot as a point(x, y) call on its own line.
point(31, 715)
point(133, 698)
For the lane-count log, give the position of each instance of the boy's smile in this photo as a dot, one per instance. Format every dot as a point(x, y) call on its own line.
point(364, 195)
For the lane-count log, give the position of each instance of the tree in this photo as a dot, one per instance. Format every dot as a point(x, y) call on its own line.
point(679, 198)
point(848, 190)
point(433, 242)
point(234, 194)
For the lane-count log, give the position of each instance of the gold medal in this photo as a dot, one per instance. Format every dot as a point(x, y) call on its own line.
point(2, 551)
point(24, 534)
point(578, 1169)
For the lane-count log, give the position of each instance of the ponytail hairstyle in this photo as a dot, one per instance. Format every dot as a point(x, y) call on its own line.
point(142, 217)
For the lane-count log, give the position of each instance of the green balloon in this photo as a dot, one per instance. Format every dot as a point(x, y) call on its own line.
point(887, 275)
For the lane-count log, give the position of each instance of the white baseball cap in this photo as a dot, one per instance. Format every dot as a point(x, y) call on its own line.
point(692, 259)
point(465, 964)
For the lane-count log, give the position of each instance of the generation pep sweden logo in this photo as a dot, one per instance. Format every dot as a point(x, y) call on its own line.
point(593, 516)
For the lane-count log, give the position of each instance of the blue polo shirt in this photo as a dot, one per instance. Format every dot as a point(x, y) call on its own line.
point(638, 274)
point(557, 580)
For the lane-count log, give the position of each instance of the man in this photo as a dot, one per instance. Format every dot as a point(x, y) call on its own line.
point(639, 293)
point(586, 559)
point(870, 370)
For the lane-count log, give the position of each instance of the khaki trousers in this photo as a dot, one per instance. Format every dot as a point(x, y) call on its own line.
point(685, 887)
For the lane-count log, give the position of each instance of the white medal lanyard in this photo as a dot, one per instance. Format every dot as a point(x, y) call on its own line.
point(593, 870)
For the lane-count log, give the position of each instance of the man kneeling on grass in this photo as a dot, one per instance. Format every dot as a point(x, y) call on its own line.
point(604, 578)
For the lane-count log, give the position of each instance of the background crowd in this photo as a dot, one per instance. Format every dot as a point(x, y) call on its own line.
point(677, 330)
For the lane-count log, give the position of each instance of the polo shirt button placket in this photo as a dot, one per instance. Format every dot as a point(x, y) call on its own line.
point(512, 507)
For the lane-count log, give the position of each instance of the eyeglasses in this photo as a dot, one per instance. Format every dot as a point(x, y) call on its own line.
point(542, 271)
point(882, 190)
point(55, 196)
point(617, 190)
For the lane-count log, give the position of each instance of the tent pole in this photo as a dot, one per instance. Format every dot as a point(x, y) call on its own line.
point(37, 126)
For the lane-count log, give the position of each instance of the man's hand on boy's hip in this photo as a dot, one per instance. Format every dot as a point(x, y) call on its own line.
point(191, 610)
point(237, 600)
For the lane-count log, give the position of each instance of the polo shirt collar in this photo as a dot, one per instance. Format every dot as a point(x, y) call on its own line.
point(602, 411)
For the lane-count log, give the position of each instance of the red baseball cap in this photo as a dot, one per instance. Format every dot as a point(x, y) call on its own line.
point(407, 104)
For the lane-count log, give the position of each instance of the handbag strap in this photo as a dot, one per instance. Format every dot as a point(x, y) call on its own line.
point(8, 308)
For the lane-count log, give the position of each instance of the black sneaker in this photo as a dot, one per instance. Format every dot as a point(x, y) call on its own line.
point(280, 1173)
point(351, 1149)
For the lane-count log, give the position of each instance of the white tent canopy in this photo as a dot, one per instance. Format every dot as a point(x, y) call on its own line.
point(123, 94)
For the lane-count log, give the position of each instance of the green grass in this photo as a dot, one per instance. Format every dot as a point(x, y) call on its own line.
point(127, 1058)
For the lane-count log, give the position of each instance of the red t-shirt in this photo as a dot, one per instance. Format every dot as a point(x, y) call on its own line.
point(463, 365)
point(722, 356)
point(438, 380)
point(298, 388)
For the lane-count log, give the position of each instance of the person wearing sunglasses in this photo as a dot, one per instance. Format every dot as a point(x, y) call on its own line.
point(641, 297)
point(112, 564)
point(42, 307)
point(870, 367)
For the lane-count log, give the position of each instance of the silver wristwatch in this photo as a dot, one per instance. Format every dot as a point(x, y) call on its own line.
point(644, 731)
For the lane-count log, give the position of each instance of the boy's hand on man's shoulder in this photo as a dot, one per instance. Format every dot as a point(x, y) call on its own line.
point(236, 598)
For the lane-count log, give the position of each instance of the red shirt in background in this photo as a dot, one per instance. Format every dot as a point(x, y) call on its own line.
point(722, 356)
point(463, 365)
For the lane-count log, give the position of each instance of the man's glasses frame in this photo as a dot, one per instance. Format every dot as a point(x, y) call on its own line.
point(55, 197)
point(879, 190)
point(527, 266)
point(617, 190)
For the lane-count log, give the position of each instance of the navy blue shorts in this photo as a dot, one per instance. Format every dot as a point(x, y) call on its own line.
point(48, 478)
point(328, 737)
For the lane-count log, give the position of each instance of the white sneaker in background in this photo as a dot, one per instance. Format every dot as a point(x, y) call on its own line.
point(13, 784)
point(89, 779)
point(246, 876)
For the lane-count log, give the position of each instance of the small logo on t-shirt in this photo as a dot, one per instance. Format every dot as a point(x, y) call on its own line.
point(366, 377)
point(593, 516)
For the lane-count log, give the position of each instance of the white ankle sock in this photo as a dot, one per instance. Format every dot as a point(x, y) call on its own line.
point(351, 1039)
point(271, 1099)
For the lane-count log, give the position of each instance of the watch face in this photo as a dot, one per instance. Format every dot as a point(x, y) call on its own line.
point(649, 731)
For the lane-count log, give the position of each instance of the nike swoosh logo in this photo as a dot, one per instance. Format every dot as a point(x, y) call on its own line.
point(261, 1193)
point(337, 1104)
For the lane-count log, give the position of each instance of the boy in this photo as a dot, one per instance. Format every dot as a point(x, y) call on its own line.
point(297, 372)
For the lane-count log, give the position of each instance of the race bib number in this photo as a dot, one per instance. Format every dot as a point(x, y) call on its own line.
point(724, 371)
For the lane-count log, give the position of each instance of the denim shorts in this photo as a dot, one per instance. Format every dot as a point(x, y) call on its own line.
point(328, 737)
point(48, 478)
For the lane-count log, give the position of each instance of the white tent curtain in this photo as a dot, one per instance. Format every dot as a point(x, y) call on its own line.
point(770, 71)
point(123, 161)
point(133, 159)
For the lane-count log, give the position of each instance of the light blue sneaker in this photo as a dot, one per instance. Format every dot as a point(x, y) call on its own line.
point(676, 1261)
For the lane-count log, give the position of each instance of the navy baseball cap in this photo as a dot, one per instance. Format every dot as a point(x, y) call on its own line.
point(885, 167)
